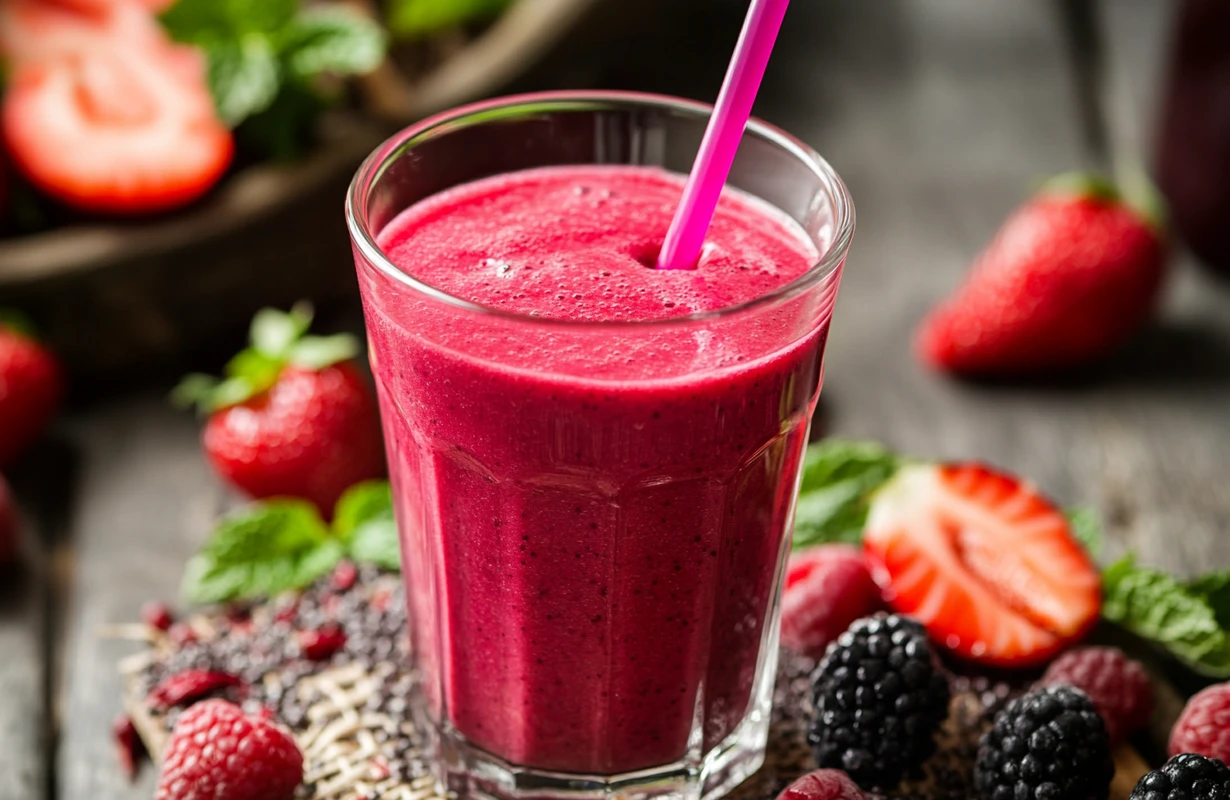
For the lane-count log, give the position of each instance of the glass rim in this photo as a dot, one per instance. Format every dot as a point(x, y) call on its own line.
point(394, 147)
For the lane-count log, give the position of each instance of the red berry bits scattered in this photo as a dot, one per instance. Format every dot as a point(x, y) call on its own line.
point(823, 784)
point(344, 576)
point(1117, 685)
point(186, 687)
point(128, 745)
point(1204, 725)
point(321, 643)
point(984, 561)
point(216, 752)
point(827, 588)
point(157, 615)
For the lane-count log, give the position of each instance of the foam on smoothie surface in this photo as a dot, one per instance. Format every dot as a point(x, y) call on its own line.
point(574, 243)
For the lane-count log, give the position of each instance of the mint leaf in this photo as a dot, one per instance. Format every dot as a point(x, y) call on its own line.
point(1157, 607)
point(364, 520)
point(839, 478)
point(416, 18)
point(200, 21)
point(333, 39)
point(362, 503)
point(1086, 525)
point(376, 543)
point(270, 548)
point(318, 352)
point(1215, 589)
point(243, 76)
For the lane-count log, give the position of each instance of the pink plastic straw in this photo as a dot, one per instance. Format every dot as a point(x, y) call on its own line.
point(686, 235)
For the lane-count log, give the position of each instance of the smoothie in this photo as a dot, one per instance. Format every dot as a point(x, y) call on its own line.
point(593, 522)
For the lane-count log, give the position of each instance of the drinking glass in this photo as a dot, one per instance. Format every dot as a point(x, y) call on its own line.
point(593, 548)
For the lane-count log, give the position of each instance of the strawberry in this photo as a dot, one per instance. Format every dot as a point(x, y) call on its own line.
point(986, 563)
point(1069, 277)
point(31, 387)
point(10, 530)
point(293, 416)
point(38, 31)
point(104, 112)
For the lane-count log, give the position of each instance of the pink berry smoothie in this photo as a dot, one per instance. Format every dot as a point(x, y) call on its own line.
point(593, 525)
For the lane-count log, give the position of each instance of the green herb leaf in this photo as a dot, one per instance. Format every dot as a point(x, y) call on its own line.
point(205, 20)
point(1215, 589)
point(285, 130)
point(364, 520)
point(360, 504)
point(1086, 525)
point(274, 332)
point(243, 76)
point(839, 478)
point(333, 39)
point(270, 548)
point(16, 322)
point(415, 18)
point(318, 352)
point(1157, 607)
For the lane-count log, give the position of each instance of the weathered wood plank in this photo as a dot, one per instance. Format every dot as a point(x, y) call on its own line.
point(145, 501)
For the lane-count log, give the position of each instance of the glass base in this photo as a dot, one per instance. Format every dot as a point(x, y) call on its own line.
point(465, 771)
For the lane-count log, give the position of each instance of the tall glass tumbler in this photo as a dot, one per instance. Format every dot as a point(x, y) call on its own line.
point(593, 555)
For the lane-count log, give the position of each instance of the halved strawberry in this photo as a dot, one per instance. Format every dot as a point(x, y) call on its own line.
point(118, 132)
point(984, 561)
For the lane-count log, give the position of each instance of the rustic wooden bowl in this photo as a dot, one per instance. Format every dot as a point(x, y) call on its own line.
point(115, 297)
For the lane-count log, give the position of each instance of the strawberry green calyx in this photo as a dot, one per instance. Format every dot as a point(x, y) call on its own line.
point(1134, 190)
point(17, 323)
point(278, 339)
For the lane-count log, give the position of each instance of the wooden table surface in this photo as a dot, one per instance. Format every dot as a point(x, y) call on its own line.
point(939, 114)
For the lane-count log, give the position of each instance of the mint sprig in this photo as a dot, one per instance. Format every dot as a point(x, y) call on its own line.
point(1188, 620)
point(265, 58)
point(839, 478)
point(262, 551)
point(278, 339)
point(283, 545)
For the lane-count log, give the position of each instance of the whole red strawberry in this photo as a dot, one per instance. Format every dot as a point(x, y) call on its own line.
point(9, 529)
point(293, 417)
point(216, 752)
point(1069, 277)
point(31, 387)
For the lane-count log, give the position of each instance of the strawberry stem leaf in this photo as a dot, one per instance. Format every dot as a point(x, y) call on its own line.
point(17, 322)
point(1082, 184)
point(275, 332)
point(318, 352)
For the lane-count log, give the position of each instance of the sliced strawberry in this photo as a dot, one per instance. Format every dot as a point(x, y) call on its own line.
point(35, 31)
point(119, 132)
point(103, 6)
point(984, 561)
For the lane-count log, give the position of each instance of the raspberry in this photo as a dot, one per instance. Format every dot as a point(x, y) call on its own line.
point(823, 784)
point(1116, 684)
point(218, 753)
point(1204, 725)
point(827, 588)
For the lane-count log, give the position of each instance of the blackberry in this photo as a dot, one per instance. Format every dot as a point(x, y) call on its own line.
point(1050, 744)
point(880, 695)
point(1186, 777)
